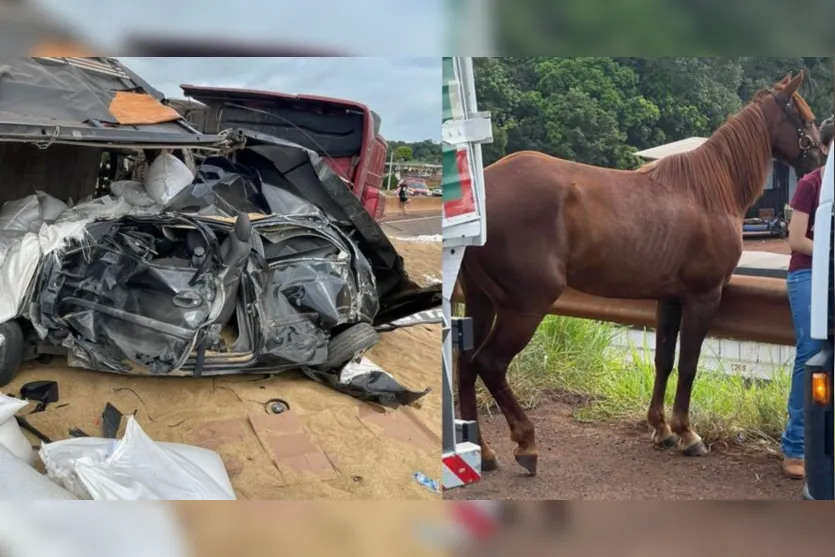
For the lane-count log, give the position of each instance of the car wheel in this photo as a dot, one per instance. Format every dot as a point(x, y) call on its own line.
point(346, 345)
point(11, 351)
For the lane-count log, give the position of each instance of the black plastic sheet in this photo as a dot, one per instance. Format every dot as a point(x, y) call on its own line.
point(221, 188)
point(374, 386)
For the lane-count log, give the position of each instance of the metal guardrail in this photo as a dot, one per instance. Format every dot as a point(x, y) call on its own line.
point(753, 308)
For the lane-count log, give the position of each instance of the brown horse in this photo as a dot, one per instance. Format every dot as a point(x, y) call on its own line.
point(670, 231)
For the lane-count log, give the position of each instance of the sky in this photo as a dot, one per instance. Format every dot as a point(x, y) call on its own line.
point(405, 92)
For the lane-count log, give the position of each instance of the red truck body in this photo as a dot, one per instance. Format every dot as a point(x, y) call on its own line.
point(345, 133)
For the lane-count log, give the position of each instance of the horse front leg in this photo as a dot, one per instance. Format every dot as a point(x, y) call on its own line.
point(510, 335)
point(698, 316)
point(668, 323)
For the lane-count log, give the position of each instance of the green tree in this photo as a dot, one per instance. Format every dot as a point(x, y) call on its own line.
point(403, 153)
point(694, 95)
point(426, 151)
point(599, 110)
point(593, 110)
point(389, 182)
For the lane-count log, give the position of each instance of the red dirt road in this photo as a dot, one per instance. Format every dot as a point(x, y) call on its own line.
point(581, 461)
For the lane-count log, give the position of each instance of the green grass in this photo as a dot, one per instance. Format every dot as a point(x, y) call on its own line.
point(575, 356)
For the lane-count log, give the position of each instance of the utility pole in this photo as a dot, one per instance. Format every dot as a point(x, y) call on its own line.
point(391, 169)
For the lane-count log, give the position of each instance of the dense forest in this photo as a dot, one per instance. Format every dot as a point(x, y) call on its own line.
point(600, 110)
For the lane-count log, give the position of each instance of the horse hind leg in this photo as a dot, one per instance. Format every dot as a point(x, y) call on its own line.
point(510, 335)
point(668, 323)
point(698, 316)
point(481, 310)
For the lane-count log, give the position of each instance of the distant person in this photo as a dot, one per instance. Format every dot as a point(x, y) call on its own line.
point(403, 195)
point(799, 286)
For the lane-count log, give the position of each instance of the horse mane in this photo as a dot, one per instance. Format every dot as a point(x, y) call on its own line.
point(728, 171)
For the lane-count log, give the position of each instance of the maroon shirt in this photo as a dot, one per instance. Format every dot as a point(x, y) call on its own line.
point(805, 200)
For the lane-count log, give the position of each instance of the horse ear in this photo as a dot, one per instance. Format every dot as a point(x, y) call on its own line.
point(782, 83)
point(792, 85)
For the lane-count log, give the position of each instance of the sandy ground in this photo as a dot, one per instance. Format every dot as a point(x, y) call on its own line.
point(617, 462)
point(343, 448)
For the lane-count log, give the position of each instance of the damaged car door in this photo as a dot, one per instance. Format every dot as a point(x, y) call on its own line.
point(141, 292)
point(313, 281)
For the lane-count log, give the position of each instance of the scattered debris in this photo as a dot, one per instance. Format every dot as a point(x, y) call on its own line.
point(366, 381)
point(44, 392)
point(427, 317)
point(427, 482)
point(276, 406)
point(111, 421)
point(24, 424)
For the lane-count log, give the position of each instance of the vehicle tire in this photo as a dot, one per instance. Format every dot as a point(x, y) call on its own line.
point(11, 351)
point(344, 346)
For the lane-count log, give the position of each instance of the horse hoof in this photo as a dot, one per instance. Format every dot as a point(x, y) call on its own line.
point(665, 444)
point(528, 462)
point(489, 464)
point(696, 449)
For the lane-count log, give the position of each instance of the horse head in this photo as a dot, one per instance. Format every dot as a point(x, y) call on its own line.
point(795, 139)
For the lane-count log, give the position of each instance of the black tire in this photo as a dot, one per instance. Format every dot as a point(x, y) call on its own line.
point(345, 346)
point(11, 351)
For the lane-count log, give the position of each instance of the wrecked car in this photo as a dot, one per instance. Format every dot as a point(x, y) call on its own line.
point(261, 261)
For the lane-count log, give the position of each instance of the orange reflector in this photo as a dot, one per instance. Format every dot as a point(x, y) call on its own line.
point(61, 49)
point(821, 392)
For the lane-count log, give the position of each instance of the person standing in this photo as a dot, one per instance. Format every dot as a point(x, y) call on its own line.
point(403, 195)
point(799, 286)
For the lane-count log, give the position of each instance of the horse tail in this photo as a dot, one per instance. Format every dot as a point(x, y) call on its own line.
point(458, 292)
point(478, 306)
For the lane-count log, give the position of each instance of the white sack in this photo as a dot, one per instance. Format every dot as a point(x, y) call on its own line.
point(136, 468)
point(19, 263)
point(132, 192)
point(51, 207)
point(21, 253)
point(21, 482)
point(167, 176)
point(29, 213)
point(11, 436)
point(21, 215)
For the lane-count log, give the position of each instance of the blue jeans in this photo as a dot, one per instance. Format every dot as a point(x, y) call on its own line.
point(799, 286)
